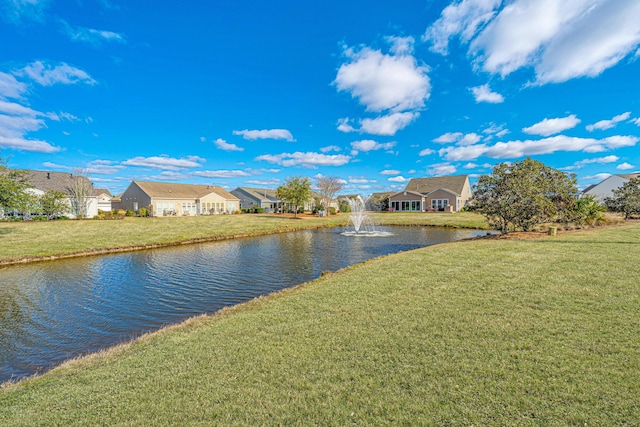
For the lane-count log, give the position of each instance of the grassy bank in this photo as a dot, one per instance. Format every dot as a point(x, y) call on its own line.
point(21, 240)
point(486, 332)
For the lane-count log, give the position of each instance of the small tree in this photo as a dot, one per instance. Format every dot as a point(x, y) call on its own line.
point(27, 204)
point(523, 194)
point(588, 211)
point(296, 191)
point(53, 204)
point(328, 187)
point(378, 203)
point(13, 184)
point(80, 190)
point(626, 199)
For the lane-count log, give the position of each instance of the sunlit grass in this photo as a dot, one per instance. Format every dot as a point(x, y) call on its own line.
point(40, 239)
point(486, 332)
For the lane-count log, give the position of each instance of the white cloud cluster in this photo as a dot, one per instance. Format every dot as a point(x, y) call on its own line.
point(459, 138)
point(265, 134)
point(89, 35)
point(426, 152)
point(308, 159)
point(225, 146)
point(222, 173)
point(390, 172)
point(398, 178)
point(17, 11)
point(517, 149)
point(608, 124)
point(441, 169)
point(393, 84)
point(48, 75)
point(559, 39)
point(485, 94)
point(330, 148)
point(165, 162)
point(366, 145)
point(16, 121)
point(625, 166)
point(549, 127)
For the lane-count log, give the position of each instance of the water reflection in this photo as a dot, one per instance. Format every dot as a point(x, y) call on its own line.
point(50, 312)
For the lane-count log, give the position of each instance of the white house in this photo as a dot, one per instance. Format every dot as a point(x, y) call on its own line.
point(605, 188)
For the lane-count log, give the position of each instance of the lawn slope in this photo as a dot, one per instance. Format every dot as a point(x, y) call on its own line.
point(486, 332)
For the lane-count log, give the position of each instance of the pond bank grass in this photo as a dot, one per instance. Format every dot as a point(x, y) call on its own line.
point(484, 332)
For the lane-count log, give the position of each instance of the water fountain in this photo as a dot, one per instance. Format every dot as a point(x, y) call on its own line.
point(362, 224)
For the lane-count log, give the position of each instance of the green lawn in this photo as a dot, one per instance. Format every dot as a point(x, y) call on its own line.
point(489, 332)
point(20, 240)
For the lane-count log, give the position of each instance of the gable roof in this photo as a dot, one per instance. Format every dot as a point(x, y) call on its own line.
point(630, 175)
point(260, 193)
point(99, 191)
point(181, 191)
point(57, 181)
point(427, 185)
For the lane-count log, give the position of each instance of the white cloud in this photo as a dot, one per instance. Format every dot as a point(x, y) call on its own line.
point(398, 178)
point(625, 166)
point(469, 139)
point(169, 176)
point(10, 87)
point(470, 166)
point(330, 148)
point(441, 169)
point(165, 162)
point(91, 36)
point(517, 149)
point(401, 45)
point(221, 174)
point(390, 172)
point(103, 167)
point(264, 182)
point(224, 145)
point(606, 159)
point(636, 121)
point(16, 121)
point(549, 127)
point(308, 159)
point(265, 134)
point(608, 124)
point(17, 11)
point(559, 39)
point(484, 94)
point(345, 126)
point(48, 75)
point(370, 145)
point(388, 125)
point(360, 180)
point(426, 152)
point(463, 18)
point(448, 137)
point(384, 82)
point(598, 177)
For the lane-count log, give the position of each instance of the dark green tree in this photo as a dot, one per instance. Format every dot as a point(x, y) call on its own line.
point(296, 191)
point(523, 194)
point(626, 199)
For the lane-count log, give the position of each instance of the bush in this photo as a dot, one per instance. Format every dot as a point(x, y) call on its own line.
point(143, 212)
point(39, 218)
point(258, 210)
point(332, 210)
point(129, 213)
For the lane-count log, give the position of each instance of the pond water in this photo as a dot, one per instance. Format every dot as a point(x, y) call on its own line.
point(53, 311)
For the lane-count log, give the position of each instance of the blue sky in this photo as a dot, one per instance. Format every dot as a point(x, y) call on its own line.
point(375, 93)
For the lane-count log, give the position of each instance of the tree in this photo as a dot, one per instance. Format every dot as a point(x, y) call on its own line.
point(588, 211)
point(13, 184)
point(328, 187)
point(523, 194)
point(378, 203)
point(53, 203)
point(626, 199)
point(80, 190)
point(295, 191)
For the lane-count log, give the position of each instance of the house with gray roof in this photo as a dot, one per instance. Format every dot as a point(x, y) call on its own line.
point(437, 194)
point(257, 198)
point(605, 188)
point(40, 182)
point(169, 199)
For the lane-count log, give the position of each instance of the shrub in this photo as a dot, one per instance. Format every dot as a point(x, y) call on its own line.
point(259, 210)
point(142, 212)
point(332, 210)
point(129, 213)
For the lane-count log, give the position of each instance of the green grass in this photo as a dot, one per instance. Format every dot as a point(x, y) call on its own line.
point(20, 240)
point(488, 332)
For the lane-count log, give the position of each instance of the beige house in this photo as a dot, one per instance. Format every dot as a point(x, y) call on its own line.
point(104, 199)
point(439, 194)
point(166, 199)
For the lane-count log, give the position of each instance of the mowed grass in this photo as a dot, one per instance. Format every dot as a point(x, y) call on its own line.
point(19, 240)
point(491, 332)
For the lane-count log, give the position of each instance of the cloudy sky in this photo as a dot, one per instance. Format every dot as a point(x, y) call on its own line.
point(249, 93)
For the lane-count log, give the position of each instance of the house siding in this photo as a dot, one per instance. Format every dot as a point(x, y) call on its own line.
point(134, 196)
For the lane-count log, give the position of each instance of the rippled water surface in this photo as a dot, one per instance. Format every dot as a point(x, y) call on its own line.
point(53, 311)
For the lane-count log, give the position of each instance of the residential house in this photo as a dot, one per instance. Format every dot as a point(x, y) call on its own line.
point(257, 198)
point(104, 199)
point(168, 199)
point(605, 188)
point(438, 194)
point(64, 182)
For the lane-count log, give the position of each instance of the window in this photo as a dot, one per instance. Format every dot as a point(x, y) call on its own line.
point(439, 204)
